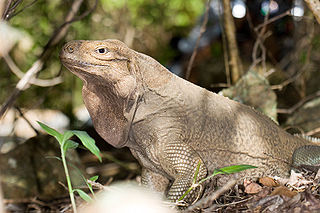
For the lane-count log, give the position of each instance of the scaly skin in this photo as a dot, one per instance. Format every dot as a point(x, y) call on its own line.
point(172, 125)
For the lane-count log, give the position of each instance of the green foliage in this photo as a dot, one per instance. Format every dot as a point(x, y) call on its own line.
point(174, 13)
point(83, 195)
point(228, 170)
point(224, 170)
point(66, 144)
point(94, 178)
point(88, 142)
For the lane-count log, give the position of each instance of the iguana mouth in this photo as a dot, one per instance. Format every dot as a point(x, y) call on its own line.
point(81, 69)
point(73, 63)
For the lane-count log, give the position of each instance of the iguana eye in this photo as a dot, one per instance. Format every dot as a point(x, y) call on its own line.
point(102, 50)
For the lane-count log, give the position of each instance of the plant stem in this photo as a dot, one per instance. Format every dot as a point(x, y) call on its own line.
point(63, 157)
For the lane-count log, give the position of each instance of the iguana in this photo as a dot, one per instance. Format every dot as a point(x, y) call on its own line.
point(171, 125)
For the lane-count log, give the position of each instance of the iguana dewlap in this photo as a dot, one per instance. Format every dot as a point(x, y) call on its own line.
point(170, 124)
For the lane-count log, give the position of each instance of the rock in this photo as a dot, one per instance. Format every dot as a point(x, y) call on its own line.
point(254, 90)
point(125, 197)
point(9, 125)
point(31, 169)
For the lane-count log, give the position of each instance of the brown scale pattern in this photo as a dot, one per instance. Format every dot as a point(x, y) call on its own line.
point(184, 161)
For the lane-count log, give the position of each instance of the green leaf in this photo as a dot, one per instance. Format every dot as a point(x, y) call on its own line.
point(228, 170)
point(67, 135)
point(88, 142)
point(94, 178)
point(197, 172)
point(69, 144)
point(83, 195)
point(236, 168)
point(51, 131)
point(185, 194)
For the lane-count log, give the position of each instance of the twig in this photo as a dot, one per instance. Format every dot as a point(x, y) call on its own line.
point(6, 10)
point(235, 203)
point(304, 43)
point(63, 185)
point(11, 14)
point(314, 6)
point(1, 199)
point(225, 51)
point(261, 36)
point(313, 132)
point(259, 42)
point(225, 57)
point(258, 60)
point(221, 85)
point(25, 200)
point(98, 185)
point(288, 81)
point(37, 66)
point(286, 13)
point(2, 6)
point(28, 122)
point(229, 27)
point(62, 30)
point(214, 196)
point(299, 104)
point(195, 49)
point(35, 81)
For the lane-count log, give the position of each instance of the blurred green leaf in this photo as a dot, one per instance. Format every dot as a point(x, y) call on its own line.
point(228, 170)
point(88, 142)
point(69, 144)
point(94, 178)
point(235, 168)
point(67, 135)
point(83, 195)
point(52, 132)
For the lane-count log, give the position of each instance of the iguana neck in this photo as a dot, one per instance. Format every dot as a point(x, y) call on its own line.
point(106, 111)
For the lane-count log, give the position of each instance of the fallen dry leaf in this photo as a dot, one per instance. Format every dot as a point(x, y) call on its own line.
point(252, 188)
point(312, 203)
point(268, 181)
point(269, 203)
point(283, 191)
point(298, 181)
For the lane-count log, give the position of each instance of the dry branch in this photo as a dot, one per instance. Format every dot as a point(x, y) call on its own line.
point(2, 5)
point(299, 104)
point(229, 27)
point(286, 13)
point(314, 6)
point(37, 66)
point(208, 200)
point(39, 82)
point(195, 49)
point(12, 14)
point(313, 132)
point(1, 200)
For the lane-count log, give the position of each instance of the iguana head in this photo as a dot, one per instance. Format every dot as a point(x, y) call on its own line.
point(114, 77)
point(101, 63)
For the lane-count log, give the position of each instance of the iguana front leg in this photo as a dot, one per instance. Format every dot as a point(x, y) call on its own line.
point(180, 161)
point(154, 181)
